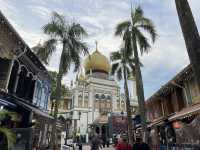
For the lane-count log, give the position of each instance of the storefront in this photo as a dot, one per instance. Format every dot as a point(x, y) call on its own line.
point(19, 118)
point(187, 125)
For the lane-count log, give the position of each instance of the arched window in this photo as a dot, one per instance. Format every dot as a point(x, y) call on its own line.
point(109, 97)
point(97, 96)
point(38, 93)
point(21, 87)
point(103, 96)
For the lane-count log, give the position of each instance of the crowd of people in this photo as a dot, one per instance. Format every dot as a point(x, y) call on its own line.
point(120, 143)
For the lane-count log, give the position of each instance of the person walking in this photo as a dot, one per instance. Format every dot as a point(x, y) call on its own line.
point(139, 145)
point(123, 144)
point(96, 143)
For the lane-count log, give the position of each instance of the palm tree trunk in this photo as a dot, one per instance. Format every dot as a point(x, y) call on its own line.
point(58, 91)
point(128, 110)
point(140, 91)
point(191, 35)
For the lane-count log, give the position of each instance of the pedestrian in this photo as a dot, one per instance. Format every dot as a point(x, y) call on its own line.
point(104, 139)
point(139, 145)
point(108, 142)
point(123, 144)
point(96, 142)
point(115, 141)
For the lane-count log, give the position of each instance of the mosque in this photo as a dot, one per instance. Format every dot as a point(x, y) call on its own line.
point(95, 96)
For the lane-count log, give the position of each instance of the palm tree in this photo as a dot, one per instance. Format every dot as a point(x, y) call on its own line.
point(191, 35)
point(9, 135)
point(122, 67)
point(70, 37)
point(132, 33)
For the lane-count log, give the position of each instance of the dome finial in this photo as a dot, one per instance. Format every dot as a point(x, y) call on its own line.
point(96, 45)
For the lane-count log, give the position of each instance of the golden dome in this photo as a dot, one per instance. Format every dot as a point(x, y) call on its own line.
point(97, 62)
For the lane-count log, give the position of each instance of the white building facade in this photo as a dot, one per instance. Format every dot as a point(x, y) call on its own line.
point(95, 95)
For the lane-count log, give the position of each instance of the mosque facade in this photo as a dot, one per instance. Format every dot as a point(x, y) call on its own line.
point(95, 95)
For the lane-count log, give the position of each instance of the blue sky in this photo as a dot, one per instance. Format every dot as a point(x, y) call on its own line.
point(100, 17)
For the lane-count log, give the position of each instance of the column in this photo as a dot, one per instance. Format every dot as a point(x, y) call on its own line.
point(114, 101)
point(9, 73)
point(17, 80)
point(91, 101)
point(76, 98)
point(83, 95)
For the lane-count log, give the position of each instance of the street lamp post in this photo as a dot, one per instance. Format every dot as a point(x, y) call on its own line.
point(87, 124)
point(122, 113)
point(68, 121)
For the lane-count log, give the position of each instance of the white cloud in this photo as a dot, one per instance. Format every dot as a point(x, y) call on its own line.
point(41, 11)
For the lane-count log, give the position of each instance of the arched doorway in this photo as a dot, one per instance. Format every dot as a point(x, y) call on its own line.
point(97, 130)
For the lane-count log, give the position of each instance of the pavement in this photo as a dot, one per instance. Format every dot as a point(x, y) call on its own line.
point(87, 147)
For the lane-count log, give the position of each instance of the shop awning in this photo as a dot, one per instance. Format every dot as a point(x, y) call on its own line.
point(34, 109)
point(6, 103)
point(14, 102)
point(186, 112)
point(157, 121)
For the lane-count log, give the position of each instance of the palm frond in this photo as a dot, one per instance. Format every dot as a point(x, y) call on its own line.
point(56, 27)
point(53, 29)
point(136, 15)
point(147, 25)
point(115, 56)
point(76, 60)
point(114, 68)
point(119, 74)
point(58, 18)
point(65, 60)
point(77, 31)
point(45, 51)
point(79, 46)
point(128, 43)
point(122, 27)
point(10, 136)
point(142, 41)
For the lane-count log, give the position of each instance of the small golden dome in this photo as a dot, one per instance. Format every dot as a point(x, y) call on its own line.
point(81, 76)
point(97, 62)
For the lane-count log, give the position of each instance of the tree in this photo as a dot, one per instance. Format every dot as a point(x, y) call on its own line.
point(122, 67)
point(63, 92)
point(132, 33)
point(64, 89)
point(191, 35)
point(70, 37)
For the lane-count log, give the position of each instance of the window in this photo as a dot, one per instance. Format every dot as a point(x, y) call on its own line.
point(109, 97)
point(118, 104)
point(103, 96)
point(96, 104)
point(86, 103)
point(80, 103)
point(86, 95)
point(80, 95)
point(38, 94)
point(108, 105)
point(97, 96)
